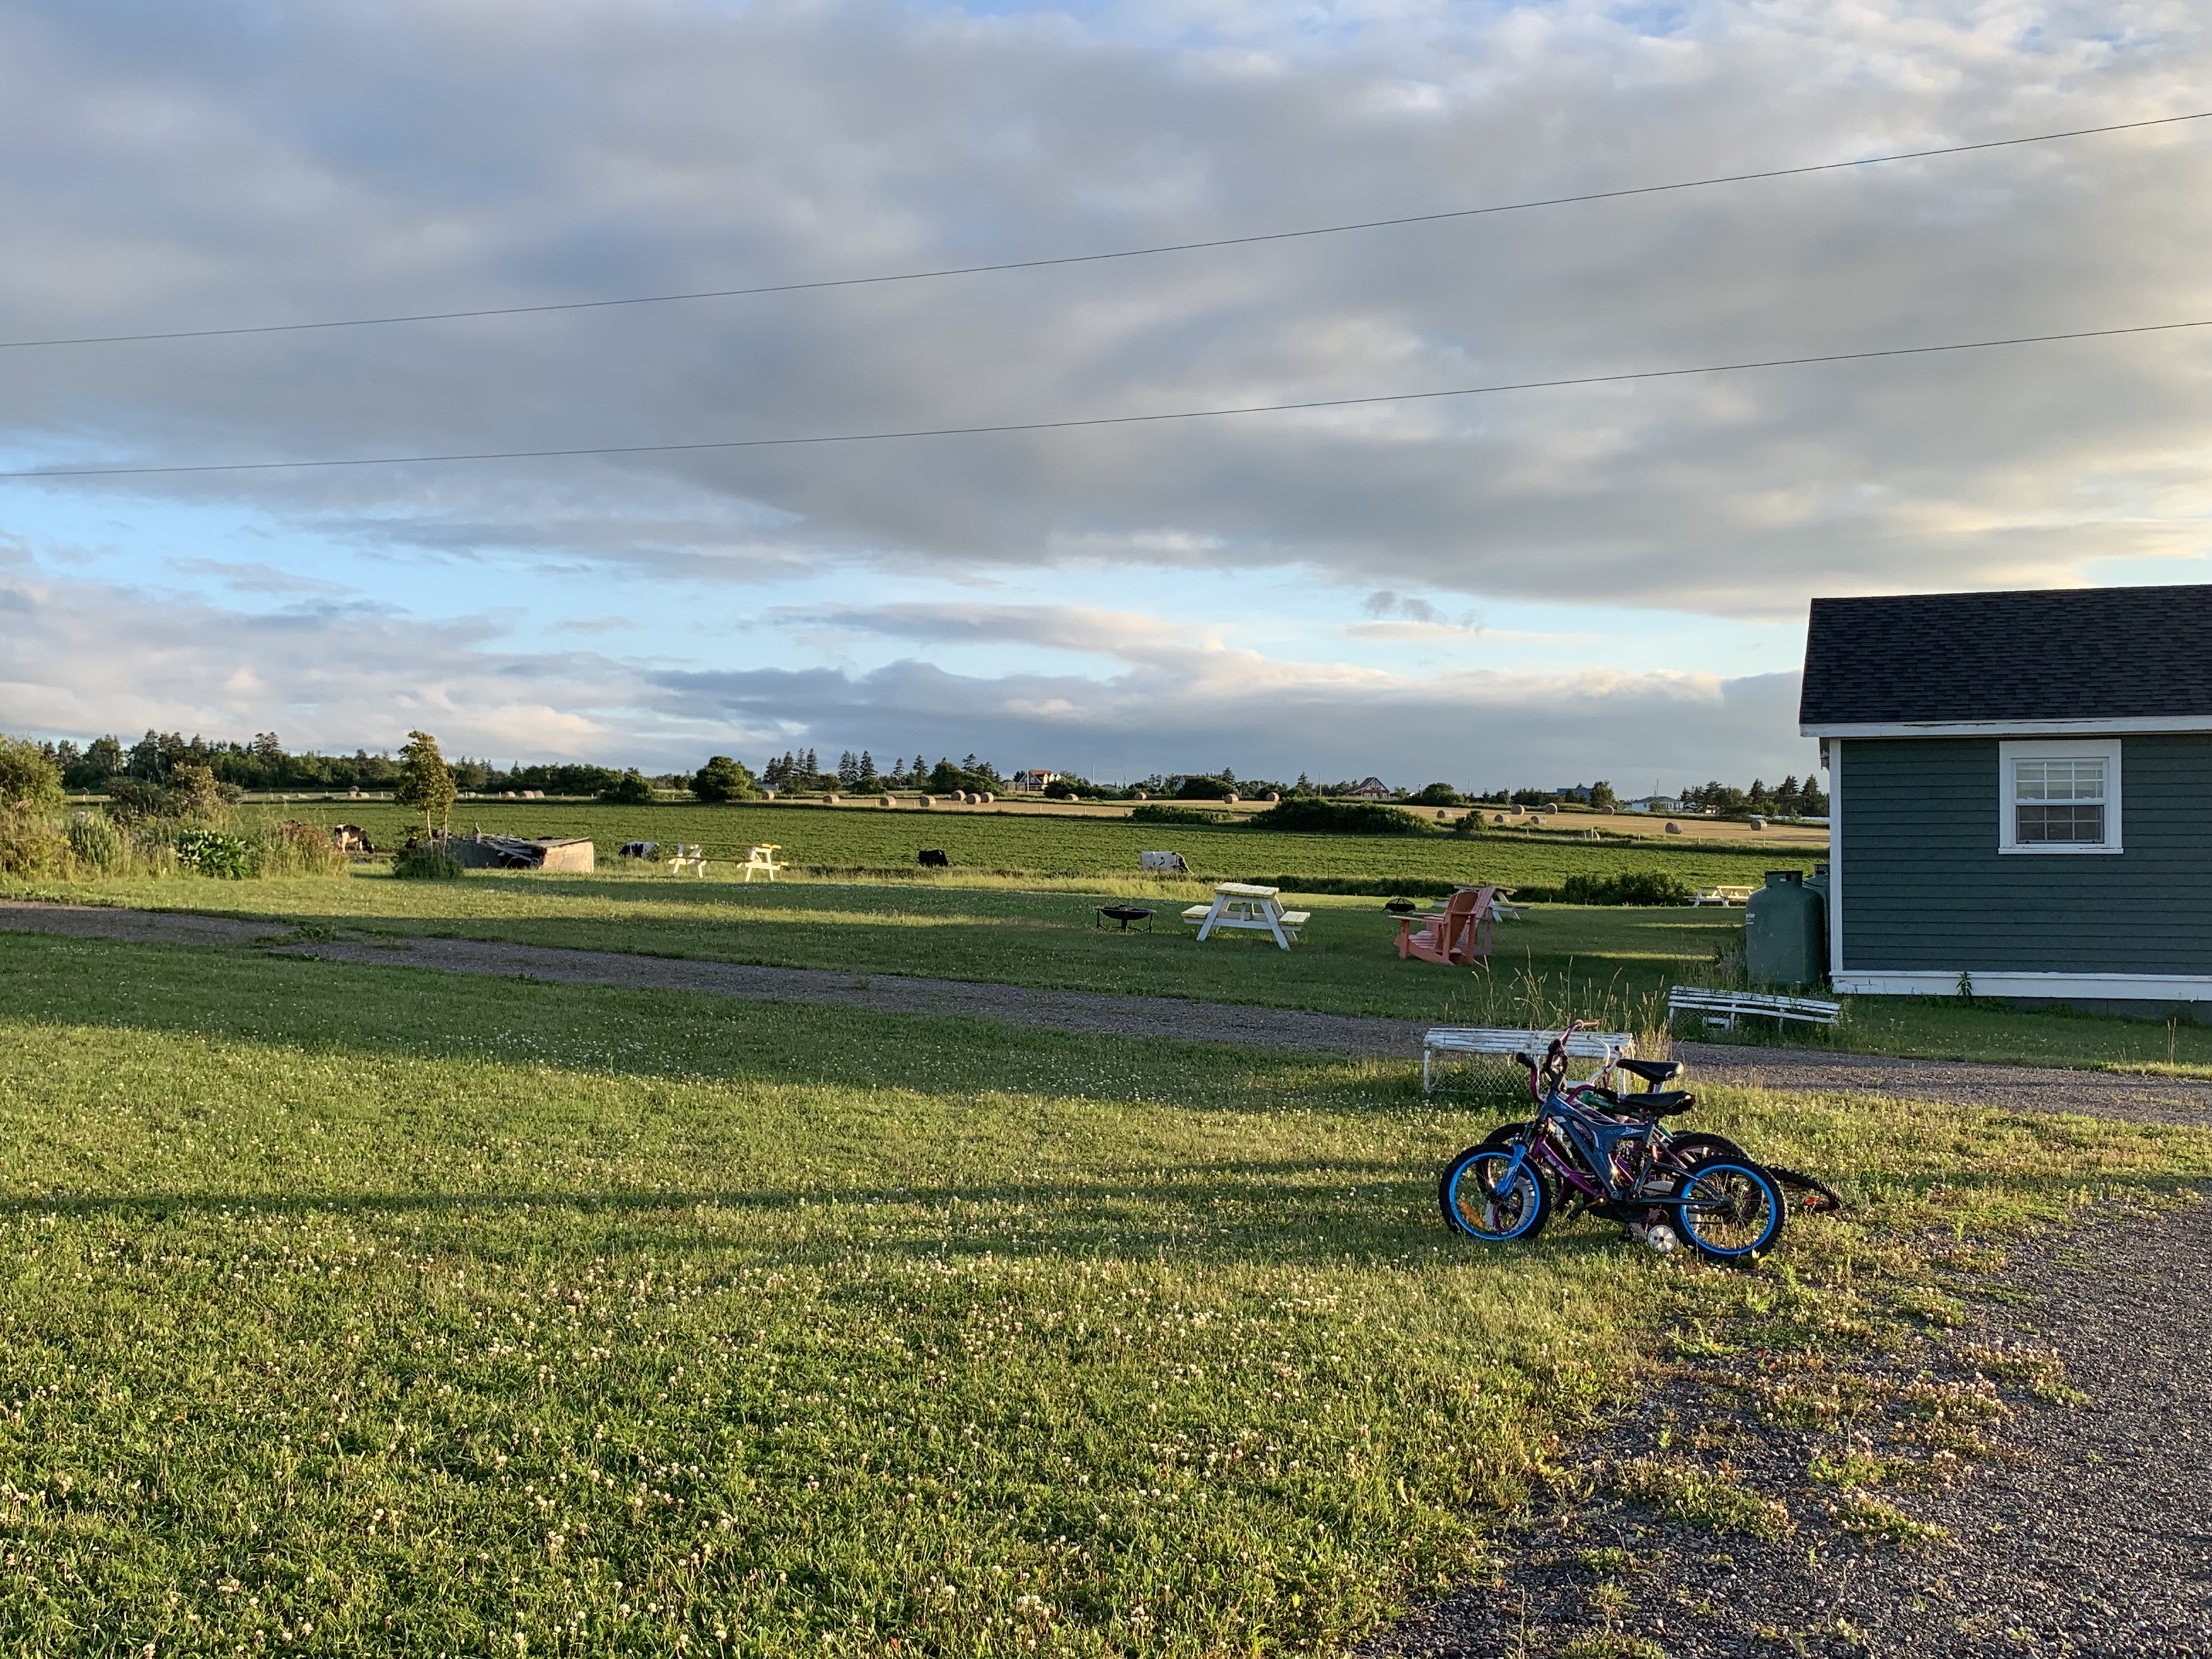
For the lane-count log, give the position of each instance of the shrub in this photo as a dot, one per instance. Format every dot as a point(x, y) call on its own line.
point(29, 844)
point(630, 789)
point(130, 799)
point(29, 780)
point(194, 792)
point(214, 852)
point(1204, 789)
point(1438, 794)
point(423, 861)
point(724, 779)
point(1330, 818)
point(426, 782)
point(1156, 814)
point(297, 849)
point(97, 844)
point(1632, 887)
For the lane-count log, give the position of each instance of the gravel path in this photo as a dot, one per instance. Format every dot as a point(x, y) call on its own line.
point(2137, 1096)
point(2094, 1537)
point(2012, 1088)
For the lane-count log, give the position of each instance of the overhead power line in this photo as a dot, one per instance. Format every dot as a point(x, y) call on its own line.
point(1147, 252)
point(1100, 420)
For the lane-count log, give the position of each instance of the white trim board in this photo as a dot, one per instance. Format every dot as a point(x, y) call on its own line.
point(1920, 983)
point(2142, 724)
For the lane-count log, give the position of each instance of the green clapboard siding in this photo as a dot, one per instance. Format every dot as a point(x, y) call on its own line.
point(1924, 887)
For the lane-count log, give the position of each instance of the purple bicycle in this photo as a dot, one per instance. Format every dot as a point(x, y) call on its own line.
point(1609, 1153)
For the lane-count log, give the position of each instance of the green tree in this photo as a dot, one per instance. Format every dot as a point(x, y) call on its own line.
point(426, 782)
point(724, 779)
point(29, 779)
point(1602, 796)
point(630, 789)
point(1435, 794)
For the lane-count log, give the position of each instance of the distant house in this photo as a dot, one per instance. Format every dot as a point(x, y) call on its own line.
point(1664, 803)
point(1035, 779)
point(1373, 789)
point(1580, 791)
point(2018, 787)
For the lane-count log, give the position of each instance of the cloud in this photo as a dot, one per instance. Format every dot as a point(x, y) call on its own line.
point(420, 156)
point(1123, 634)
point(258, 578)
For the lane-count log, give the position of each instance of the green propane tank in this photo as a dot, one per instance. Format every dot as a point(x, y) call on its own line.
point(1782, 929)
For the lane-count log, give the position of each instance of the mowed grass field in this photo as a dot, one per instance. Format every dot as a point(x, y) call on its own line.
point(980, 842)
point(358, 1310)
point(1614, 961)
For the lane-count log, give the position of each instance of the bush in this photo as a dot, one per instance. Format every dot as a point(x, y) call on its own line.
point(29, 844)
point(1633, 887)
point(1204, 789)
point(1438, 794)
point(1329, 817)
point(420, 861)
point(1156, 814)
point(29, 780)
point(724, 779)
point(214, 852)
point(130, 797)
point(630, 789)
point(194, 792)
point(97, 844)
point(297, 849)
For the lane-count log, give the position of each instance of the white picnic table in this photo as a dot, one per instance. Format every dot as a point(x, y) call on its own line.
point(1723, 895)
point(1238, 904)
point(760, 860)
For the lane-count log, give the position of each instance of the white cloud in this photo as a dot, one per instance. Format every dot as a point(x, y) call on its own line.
point(215, 168)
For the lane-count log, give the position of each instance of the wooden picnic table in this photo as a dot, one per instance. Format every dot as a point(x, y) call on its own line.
point(1238, 904)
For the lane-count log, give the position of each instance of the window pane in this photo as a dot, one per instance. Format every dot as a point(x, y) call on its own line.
point(2073, 824)
point(2059, 779)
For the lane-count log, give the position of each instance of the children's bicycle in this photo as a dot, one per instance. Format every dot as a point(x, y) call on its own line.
point(1590, 1148)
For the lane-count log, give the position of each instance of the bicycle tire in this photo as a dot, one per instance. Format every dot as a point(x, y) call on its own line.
point(1465, 1211)
point(1712, 1215)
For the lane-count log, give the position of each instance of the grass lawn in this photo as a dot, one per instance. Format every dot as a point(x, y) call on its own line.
point(1615, 963)
point(854, 841)
point(359, 1311)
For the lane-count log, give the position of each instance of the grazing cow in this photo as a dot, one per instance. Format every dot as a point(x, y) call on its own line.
point(351, 838)
point(932, 858)
point(1163, 864)
point(640, 849)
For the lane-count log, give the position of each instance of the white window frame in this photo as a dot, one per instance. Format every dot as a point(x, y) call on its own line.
point(2009, 754)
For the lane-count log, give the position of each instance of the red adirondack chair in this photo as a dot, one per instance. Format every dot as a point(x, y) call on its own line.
point(1456, 935)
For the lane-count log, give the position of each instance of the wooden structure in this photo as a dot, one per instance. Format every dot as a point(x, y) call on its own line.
point(1457, 936)
point(1723, 1009)
point(1239, 906)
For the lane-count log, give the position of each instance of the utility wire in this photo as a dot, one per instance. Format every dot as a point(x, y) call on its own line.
point(1094, 259)
point(1099, 420)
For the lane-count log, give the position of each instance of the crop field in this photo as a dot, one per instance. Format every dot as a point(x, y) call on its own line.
point(868, 840)
point(357, 1311)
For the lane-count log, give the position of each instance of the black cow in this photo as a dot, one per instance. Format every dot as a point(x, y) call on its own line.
point(932, 858)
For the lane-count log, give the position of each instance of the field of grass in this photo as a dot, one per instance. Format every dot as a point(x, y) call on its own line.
point(357, 1311)
point(1615, 963)
point(864, 840)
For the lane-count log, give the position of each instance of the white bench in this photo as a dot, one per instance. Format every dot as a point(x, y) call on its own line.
point(1476, 1040)
point(1723, 895)
point(1724, 1008)
point(1238, 904)
point(761, 860)
point(692, 857)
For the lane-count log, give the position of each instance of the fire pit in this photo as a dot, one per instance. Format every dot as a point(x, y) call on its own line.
point(1399, 907)
point(1124, 914)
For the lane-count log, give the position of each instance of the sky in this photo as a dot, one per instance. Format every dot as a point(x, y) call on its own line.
point(1520, 588)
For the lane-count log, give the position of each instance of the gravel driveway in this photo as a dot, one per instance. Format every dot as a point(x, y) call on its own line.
point(2097, 1540)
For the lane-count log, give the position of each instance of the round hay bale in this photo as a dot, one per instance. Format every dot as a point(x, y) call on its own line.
point(989, 797)
point(1272, 798)
point(888, 800)
point(1674, 829)
point(767, 795)
point(1141, 795)
point(831, 798)
point(1231, 798)
point(927, 800)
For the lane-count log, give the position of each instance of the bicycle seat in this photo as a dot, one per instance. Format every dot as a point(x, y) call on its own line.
point(1660, 1103)
point(1653, 1072)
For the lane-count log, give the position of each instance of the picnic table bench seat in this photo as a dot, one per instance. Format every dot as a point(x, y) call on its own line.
point(1480, 1040)
point(1723, 895)
point(1724, 1008)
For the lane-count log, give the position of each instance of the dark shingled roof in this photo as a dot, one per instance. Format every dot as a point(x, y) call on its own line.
point(2067, 653)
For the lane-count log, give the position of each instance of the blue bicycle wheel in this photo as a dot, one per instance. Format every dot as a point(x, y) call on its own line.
point(1483, 1197)
point(1729, 1209)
